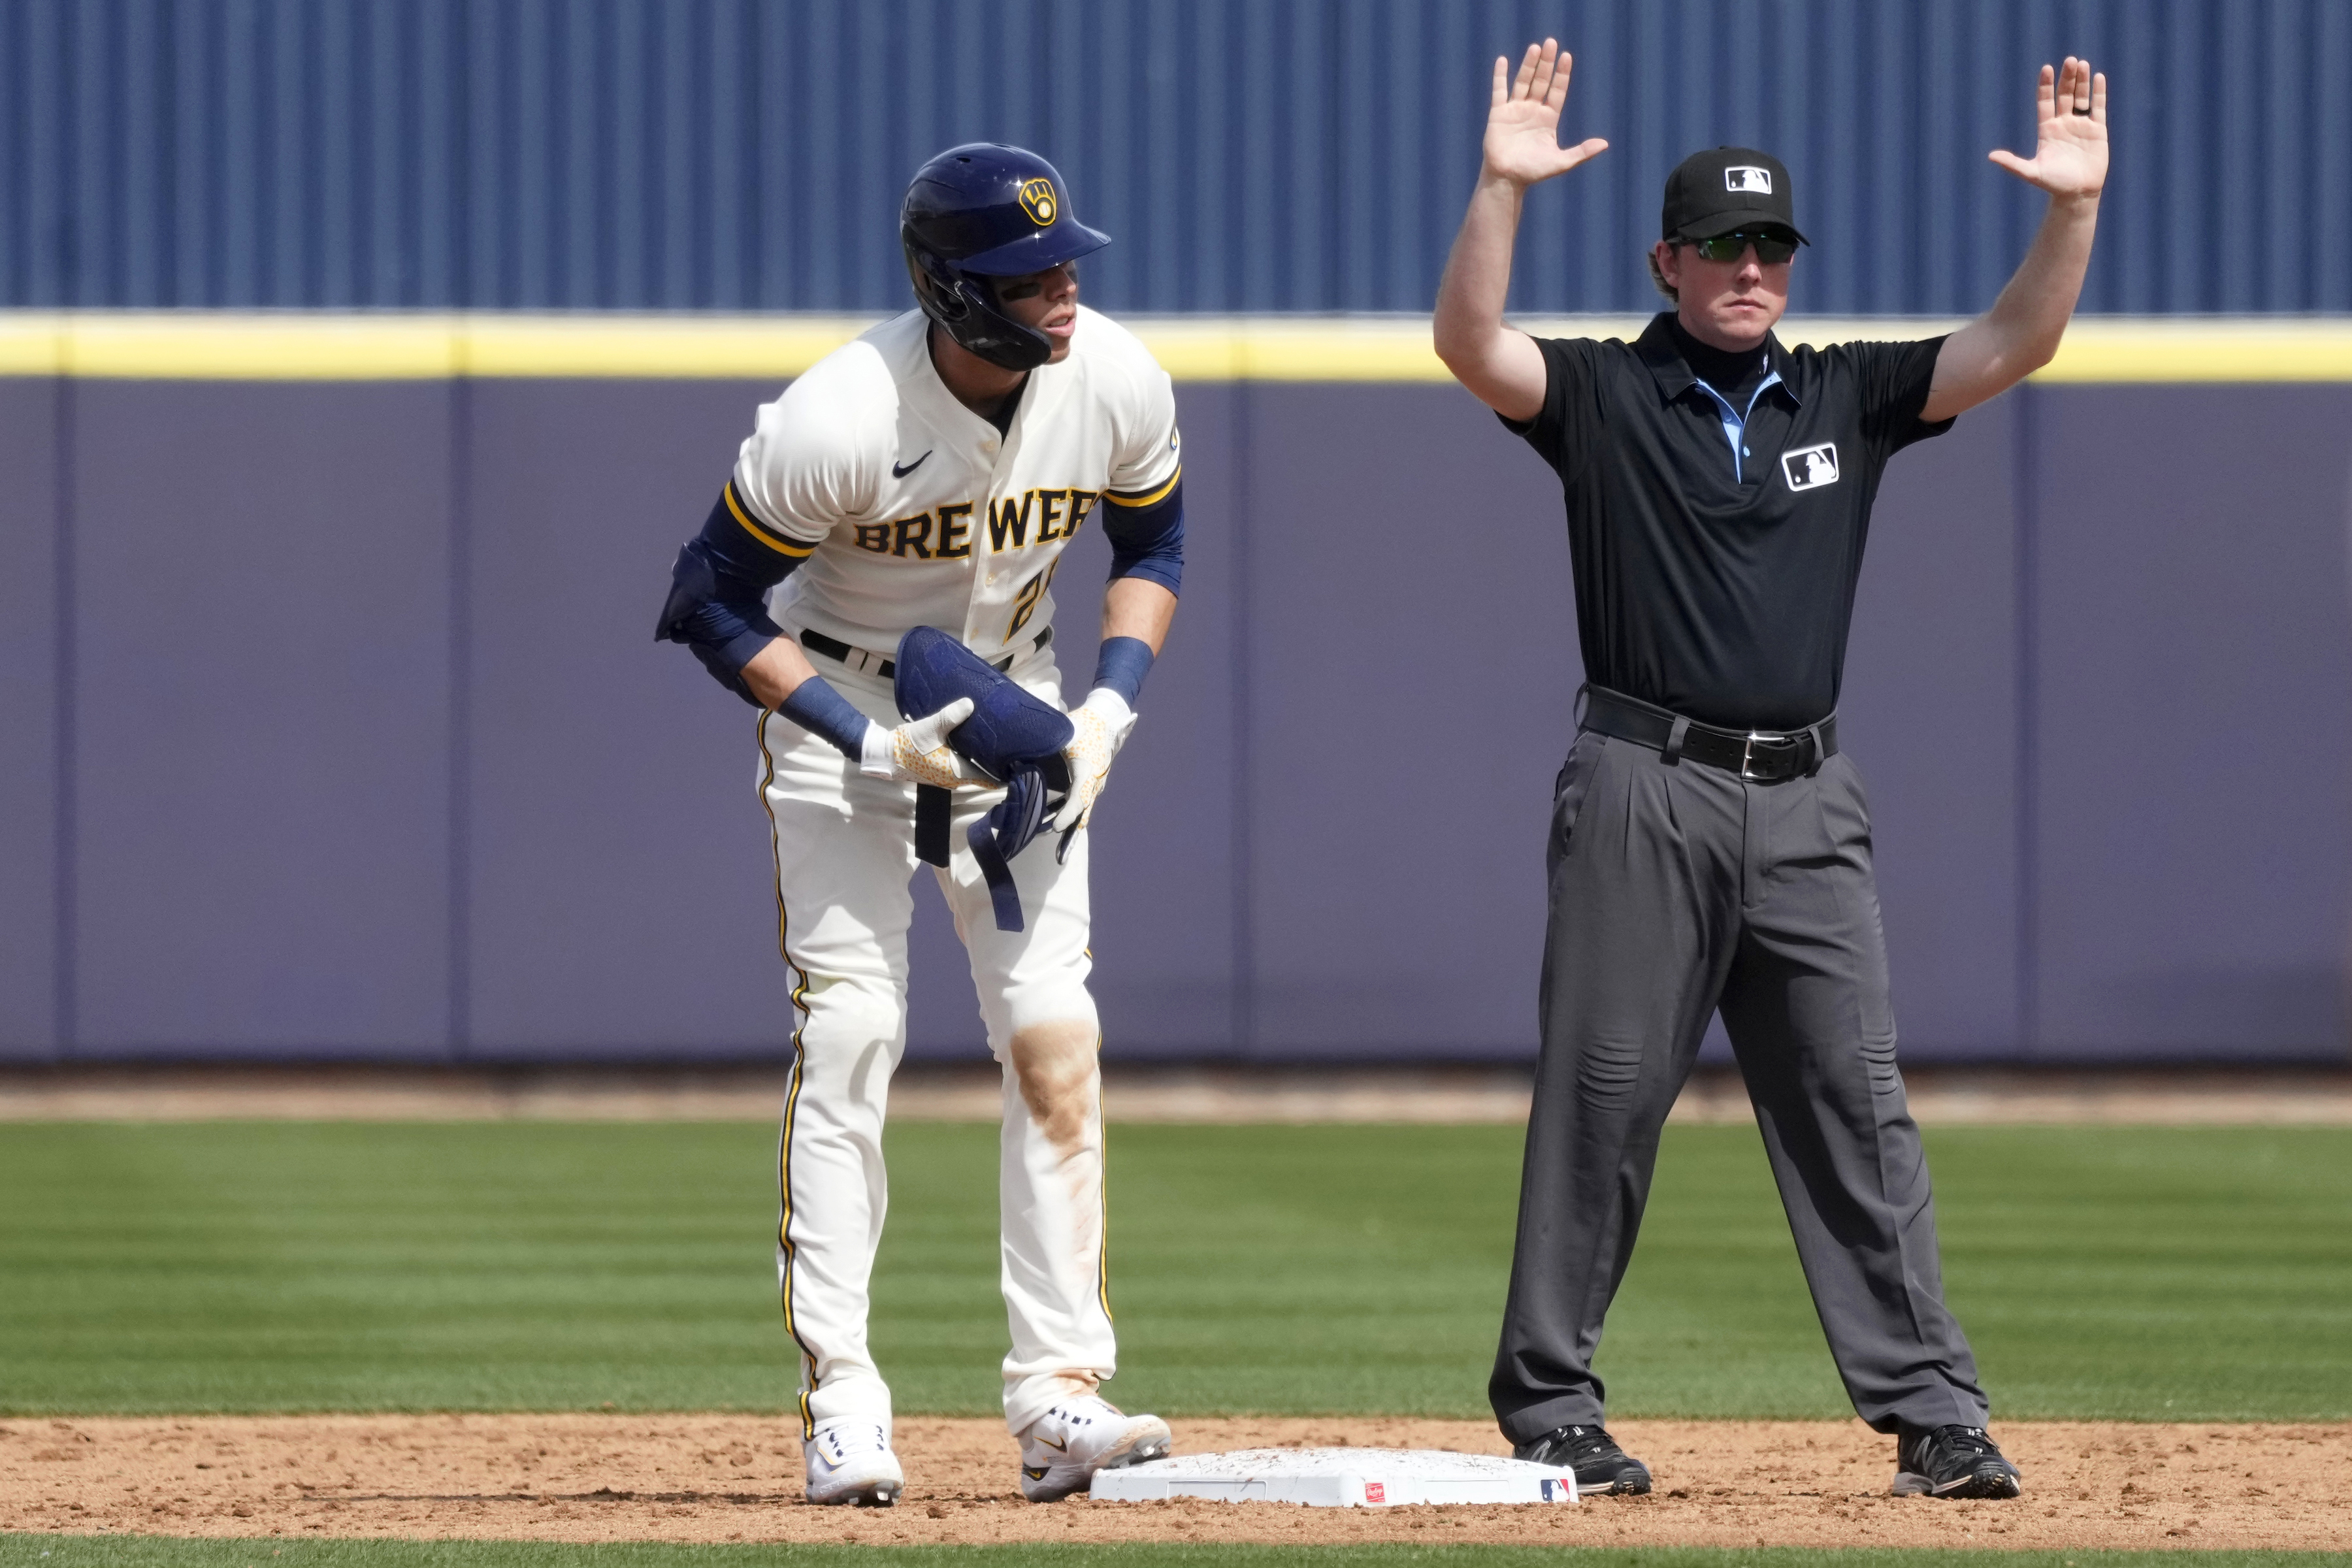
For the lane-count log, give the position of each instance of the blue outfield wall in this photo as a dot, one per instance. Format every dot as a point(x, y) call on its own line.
point(1250, 156)
point(337, 729)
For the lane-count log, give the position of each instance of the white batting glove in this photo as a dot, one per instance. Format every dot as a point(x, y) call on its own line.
point(1101, 724)
point(917, 751)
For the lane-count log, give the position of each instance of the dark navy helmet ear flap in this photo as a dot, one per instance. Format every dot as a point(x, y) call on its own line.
point(966, 306)
point(983, 211)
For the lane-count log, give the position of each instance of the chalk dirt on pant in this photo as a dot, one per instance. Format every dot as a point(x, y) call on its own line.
point(737, 1478)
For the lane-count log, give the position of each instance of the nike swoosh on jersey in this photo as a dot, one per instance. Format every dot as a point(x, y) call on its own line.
point(899, 471)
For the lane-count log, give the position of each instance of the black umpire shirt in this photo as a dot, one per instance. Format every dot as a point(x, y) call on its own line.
point(1716, 544)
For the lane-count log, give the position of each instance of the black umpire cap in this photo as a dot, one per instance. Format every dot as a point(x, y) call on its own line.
point(1728, 188)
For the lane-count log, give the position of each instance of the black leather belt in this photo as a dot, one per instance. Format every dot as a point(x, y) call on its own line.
point(841, 652)
point(1765, 756)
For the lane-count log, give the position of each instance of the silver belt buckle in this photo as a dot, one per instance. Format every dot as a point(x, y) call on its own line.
point(1748, 751)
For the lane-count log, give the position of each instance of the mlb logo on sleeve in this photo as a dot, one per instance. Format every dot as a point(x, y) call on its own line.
point(1810, 467)
point(1747, 177)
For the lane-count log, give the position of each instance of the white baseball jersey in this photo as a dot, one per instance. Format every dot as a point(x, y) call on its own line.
point(912, 511)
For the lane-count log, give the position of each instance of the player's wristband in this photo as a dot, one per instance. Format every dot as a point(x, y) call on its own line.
point(821, 711)
point(1121, 666)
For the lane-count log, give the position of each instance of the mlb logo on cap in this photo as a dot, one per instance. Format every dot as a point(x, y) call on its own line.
point(1724, 189)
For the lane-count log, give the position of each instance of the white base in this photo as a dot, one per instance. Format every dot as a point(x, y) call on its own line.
point(1338, 1478)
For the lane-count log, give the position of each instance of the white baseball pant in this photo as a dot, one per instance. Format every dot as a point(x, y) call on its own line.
point(844, 858)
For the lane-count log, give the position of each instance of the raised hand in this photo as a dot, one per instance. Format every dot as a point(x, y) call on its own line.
point(2070, 157)
point(1523, 125)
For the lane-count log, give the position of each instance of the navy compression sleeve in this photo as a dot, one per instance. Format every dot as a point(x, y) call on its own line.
point(718, 589)
point(820, 709)
point(1121, 664)
point(1146, 530)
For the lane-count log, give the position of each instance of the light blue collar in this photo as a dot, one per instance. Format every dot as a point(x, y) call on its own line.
point(1735, 422)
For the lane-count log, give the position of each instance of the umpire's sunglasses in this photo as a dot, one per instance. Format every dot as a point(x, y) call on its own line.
point(1772, 246)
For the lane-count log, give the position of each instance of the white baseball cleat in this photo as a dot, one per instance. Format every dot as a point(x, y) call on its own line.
point(850, 1461)
point(1063, 1448)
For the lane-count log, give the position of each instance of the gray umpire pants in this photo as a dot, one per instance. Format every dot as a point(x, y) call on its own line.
point(1676, 890)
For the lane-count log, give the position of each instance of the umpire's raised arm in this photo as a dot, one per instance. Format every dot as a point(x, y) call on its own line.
point(2020, 334)
point(1501, 365)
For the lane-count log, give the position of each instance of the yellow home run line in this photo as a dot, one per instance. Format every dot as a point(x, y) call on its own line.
point(301, 346)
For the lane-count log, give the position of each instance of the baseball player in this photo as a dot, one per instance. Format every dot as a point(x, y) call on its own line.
point(931, 474)
point(1710, 844)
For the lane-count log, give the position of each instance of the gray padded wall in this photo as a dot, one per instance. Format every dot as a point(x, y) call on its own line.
point(261, 719)
point(30, 714)
point(372, 754)
point(618, 883)
point(2194, 742)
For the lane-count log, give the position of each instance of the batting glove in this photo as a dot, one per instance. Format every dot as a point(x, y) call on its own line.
point(918, 752)
point(1100, 727)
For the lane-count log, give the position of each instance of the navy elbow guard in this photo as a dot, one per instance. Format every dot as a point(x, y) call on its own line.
point(1146, 530)
point(719, 591)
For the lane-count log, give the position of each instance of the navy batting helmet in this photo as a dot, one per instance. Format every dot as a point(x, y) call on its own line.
point(984, 210)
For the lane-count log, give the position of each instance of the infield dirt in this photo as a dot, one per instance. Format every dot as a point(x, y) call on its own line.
point(737, 1478)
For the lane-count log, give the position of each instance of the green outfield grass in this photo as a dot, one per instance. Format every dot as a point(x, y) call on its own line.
point(164, 1552)
point(2136, 1273)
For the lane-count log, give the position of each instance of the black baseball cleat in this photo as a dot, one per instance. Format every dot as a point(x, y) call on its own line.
point(1953, 1461)
point(1600, 1466)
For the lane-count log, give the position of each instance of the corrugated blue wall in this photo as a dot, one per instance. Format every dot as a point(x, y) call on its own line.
point(1249, 154)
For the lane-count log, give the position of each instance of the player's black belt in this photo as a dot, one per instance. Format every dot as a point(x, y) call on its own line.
point(841, 652)
point(1766, 756)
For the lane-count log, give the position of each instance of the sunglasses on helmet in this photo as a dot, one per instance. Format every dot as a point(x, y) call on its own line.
point(1772, 246)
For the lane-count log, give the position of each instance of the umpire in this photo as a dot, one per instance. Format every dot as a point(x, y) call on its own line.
point(1710, 845)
